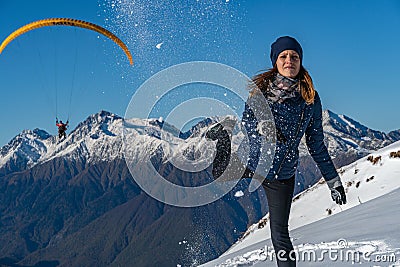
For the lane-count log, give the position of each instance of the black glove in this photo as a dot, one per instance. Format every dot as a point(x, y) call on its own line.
point(338, 195)
point(215, 132)
point(337, 191)
point(223, 147)
point(220, 129)
point(221, 132)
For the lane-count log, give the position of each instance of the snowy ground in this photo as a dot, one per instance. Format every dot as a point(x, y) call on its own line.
point(364, 232)
point(368, 231)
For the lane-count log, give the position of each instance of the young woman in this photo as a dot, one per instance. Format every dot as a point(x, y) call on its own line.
point(296, 108)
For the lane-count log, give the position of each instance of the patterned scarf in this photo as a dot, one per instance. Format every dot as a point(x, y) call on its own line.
point(282, 88)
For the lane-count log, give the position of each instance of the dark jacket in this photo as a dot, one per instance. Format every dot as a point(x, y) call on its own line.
point(62, 127)
point(293, 118)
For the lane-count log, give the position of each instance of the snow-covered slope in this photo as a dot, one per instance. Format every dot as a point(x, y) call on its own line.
point(366, 235)
point(363, 182)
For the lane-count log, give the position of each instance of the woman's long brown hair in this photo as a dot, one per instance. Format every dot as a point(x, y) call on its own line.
point(307, 90)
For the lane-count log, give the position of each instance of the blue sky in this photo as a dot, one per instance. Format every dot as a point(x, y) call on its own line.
point(350, 49)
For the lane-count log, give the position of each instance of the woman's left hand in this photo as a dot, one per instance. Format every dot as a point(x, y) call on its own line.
point(337, 191)
point(338, 195)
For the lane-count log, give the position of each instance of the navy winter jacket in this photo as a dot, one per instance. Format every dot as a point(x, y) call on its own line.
point(293, 118)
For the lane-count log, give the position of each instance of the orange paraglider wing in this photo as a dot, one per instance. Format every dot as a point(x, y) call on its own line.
point(66, 22)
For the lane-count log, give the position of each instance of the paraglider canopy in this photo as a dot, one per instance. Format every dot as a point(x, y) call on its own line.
point(67, 22)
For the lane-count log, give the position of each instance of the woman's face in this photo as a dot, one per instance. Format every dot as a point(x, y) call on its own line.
point(288, 63)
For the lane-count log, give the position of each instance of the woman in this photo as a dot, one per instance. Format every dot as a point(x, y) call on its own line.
point(296, 108)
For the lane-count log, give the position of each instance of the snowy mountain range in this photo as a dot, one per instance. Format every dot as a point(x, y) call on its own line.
point(367, 225)
point(99, 138)
point(345, 134)
point(66, 199)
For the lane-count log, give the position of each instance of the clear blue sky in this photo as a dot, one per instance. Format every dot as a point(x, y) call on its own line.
point(350, 48)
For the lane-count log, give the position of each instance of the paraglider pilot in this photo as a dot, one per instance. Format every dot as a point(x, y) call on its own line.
point(62, 127)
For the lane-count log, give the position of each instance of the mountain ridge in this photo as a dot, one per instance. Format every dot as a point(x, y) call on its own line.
point(29, 147)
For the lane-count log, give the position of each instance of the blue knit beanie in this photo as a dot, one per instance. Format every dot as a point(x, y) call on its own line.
point(285, 43)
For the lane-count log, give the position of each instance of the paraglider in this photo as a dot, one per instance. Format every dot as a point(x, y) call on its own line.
point(62, 127)
point(66, 22)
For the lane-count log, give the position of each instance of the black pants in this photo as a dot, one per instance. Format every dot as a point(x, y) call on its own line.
point(62, 134)
point(279, 195)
